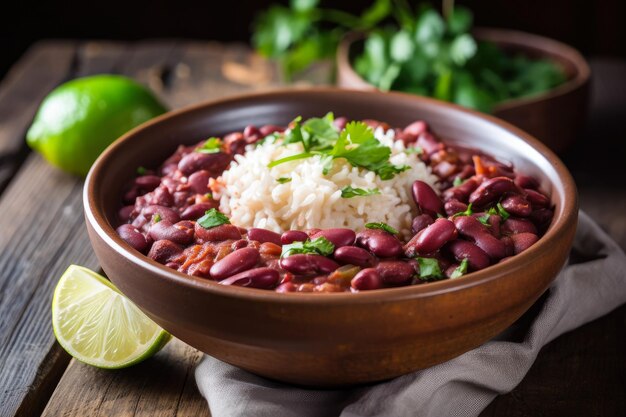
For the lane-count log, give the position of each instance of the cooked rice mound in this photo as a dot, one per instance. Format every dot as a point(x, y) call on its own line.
point(251, 195)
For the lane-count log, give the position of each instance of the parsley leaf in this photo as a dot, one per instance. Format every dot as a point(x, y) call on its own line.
point(349, 192)
point(317, 246)
point(213, 218)
point(467, 212)
point(212, 145)
point(283, 180)
point(429, 269)
point(382, 226)
point(460, 270)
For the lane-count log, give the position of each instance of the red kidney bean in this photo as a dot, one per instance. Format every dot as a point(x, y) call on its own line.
point(264, 235)
point(406, 138)
point(373, 123)
point(517, 205)
point(269, 129)
point(470, 227)
point(340, 122)
point(165, 213)
point(131, 195)
point(217, 234)
point(395, 272)
point(523, 241)
point(537, 199)
point(327, 287)
point(444, 169)
point(199, 182)
point(286, 287)
point(426, 198)
point(509, 246)
point(251, 130)
point(428, 143)
point(170, 184)
point(235, 143)
point(234, 263)
point(263, 278)
point(306, 264)
point(214, 163)
point(379, 242)
point(524, 181)
point(541, 218)
point(491, 190)
point(165, 230)
point(512, 226)
point(355, 256)
point(476, 257)
point(421, 221)
point(367, 279)
point(148, 182)
point(291, 236)
point(133, 237)
point(238, 244)
point(466, 172)
point(338, 236)
point(431, 238)
point(306, 287)
point(310, 232)
point(416, 128)
point(454, 206)
point(495, 223)
point(164, 250)
point(461, 192)
point(162, 197)
point(195, 211)
point(271, 249)
point(125, 212)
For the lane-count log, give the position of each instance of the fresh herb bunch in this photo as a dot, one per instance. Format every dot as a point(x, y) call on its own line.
point(406, 49)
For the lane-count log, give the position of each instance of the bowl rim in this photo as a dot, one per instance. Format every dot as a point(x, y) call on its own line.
point(98, 221)
point(521, 39)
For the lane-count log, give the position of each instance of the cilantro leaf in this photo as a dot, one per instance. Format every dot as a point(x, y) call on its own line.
point(349, 192)
point(283, 180)
point(460, 270)
point(457, 181)
point(502, 212)
point(212, 145)
point(429, 269)
point(484, 219)
point(303, 155)
point(317, 246)
point(382, 226)
point(213, 218)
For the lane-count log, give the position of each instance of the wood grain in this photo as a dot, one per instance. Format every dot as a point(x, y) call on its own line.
point(161, 386)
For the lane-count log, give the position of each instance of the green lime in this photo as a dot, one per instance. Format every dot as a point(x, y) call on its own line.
point(97, 325)
point(80, 118)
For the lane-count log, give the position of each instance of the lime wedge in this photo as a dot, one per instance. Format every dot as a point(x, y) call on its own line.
point(95, 323)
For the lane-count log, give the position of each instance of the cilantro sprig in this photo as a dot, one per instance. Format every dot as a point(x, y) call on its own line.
point(317, 246)
point(349, 192)
point(382, 226)
point(213, 218)
point(356, 143)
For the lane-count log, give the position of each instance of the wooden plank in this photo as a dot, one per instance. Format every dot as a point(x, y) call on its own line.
point(43, 67)
point(159, 387)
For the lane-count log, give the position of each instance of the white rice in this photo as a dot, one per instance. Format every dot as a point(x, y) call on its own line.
point(252, 197)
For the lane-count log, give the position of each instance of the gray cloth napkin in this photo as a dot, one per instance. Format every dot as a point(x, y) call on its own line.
point(592, 284)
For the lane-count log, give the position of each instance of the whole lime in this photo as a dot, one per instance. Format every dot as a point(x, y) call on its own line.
point(80, 118)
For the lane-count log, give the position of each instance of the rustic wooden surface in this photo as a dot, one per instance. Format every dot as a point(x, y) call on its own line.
point(581, 373)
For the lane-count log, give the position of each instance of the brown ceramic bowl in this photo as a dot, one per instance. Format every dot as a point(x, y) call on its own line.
point(555, 117)
point(329, 339)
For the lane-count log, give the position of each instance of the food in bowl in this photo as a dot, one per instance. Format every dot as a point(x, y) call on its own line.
point(331, 205)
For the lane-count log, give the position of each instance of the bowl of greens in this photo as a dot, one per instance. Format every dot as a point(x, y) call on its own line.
point(536, 83)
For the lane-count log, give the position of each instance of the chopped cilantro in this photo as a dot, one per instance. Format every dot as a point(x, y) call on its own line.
point(317, 246)
point(460, 270)
point(382, 226)
point(209, 196)
point(212, 145)
point(502, 212)
point(457, 181)
point(212, 218)
point(156, 218)
point(141, 170)
point(414, 150)
point(429, 269)
point(349, 192)
point(484, 219)
point(283, 180)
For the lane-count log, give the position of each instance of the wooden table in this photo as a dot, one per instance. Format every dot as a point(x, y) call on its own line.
point(42, 232)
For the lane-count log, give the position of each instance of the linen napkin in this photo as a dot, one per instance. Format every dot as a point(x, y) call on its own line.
point(591, 284)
